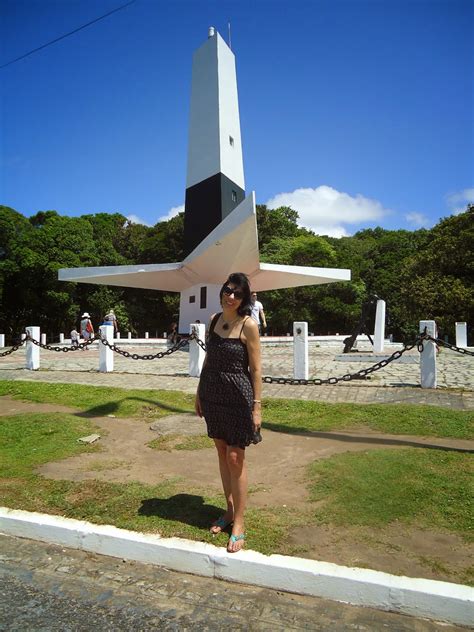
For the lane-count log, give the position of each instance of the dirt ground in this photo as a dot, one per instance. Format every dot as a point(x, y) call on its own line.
point(276, 478)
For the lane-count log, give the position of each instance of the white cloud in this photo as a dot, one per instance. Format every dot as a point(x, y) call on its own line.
point(458, 202)
point(326, 210)
point(417, 219)
point(134, 219)
point(171, 213)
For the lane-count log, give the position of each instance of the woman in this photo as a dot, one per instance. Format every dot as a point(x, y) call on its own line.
point(229, 398)
point(87, 329)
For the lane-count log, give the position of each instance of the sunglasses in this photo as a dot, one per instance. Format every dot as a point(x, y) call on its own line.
point(238, 294)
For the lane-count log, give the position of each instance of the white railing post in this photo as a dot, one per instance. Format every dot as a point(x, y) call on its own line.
point(428, 356)
point(196, 353)
point(117, 335)
point(461, 335)
point(43, 339)
point(300, 351)
point(129, 335)
point(106, 355)
point(147, 334)
point(379, 333)
point(61, 338)
point(32, 350)
point(2, 340)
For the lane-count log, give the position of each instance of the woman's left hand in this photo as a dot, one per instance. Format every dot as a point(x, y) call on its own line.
point(257, 419)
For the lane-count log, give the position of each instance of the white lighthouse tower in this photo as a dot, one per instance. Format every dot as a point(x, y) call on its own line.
point(215, 175)
point(220, 226)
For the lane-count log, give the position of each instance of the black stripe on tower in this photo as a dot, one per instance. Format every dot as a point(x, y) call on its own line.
point(206, 205)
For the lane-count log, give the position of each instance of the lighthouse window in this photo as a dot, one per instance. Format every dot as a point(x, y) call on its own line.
point(234, 196)
point(192, 299)
point(231, 141)
point(203, 297)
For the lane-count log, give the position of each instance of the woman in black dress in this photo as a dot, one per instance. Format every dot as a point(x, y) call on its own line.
point(229, 398)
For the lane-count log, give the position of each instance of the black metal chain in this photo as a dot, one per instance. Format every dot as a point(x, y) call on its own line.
point(448, 345)
point(359, 375)
point(135, 356)
point(13, 349)
point(267, 379)
point(78, 347)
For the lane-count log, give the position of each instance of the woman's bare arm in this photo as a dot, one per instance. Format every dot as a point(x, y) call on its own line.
point(252, 339)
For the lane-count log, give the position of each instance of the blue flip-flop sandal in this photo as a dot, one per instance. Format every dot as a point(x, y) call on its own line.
point(221, 523)
point(235, 538)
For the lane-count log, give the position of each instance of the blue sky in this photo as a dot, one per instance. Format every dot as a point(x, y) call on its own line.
point(356, 113)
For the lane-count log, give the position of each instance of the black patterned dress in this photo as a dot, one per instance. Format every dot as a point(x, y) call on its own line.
point(225, 390)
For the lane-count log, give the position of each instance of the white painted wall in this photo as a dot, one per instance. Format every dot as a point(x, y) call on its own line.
point(214, 115)
point(190, 312)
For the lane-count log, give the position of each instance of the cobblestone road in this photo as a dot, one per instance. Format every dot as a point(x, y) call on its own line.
point(46, 587)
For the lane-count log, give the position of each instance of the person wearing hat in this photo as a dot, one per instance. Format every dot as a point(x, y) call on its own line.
point(111, 319)
point(87, 329)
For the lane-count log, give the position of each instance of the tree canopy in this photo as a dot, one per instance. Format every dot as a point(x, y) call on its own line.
point(420, 274)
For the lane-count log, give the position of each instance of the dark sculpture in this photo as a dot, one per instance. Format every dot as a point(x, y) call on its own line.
point(363, 325)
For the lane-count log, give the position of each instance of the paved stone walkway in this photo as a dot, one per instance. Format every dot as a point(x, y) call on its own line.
point(48, 587)
point(396, 383)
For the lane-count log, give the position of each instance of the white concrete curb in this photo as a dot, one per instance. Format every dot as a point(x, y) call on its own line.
point(437, 600)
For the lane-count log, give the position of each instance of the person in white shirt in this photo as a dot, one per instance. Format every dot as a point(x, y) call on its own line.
point(257, 312)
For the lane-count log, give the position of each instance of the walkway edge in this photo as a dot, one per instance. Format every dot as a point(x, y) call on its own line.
point(442, 601)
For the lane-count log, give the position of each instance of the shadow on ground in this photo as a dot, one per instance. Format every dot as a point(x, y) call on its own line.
point(186, 508)
point(110, 408)
point(357, 438)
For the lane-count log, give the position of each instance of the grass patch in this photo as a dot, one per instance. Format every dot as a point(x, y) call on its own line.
point(28, 441)
point(428, 488)
point(100, 401)
point(281, 415)
point(302, 416)
point(171, 442)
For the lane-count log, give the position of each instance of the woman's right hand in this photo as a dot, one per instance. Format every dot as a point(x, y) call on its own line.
point(197, 406)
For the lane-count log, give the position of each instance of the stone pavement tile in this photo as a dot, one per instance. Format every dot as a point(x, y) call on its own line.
point(48, 587)
point(396, 383)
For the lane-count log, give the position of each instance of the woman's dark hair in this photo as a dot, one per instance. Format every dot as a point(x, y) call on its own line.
point(242, 282)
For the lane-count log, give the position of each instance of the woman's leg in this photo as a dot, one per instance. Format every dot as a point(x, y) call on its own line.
point(221, 447)
point(238, 485)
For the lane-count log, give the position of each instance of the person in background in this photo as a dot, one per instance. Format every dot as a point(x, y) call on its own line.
point(257, 312)
point(111, 319)
point(74, 337)
point(173, 336)
point(87, 329)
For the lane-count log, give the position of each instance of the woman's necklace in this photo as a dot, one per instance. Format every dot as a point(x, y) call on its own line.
point(227, 324)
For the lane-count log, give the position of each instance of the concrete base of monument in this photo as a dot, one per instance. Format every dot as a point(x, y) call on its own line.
point(437, 600)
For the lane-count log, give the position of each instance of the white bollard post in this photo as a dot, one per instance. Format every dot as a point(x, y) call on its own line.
point(379, 333)
point(2, 340)
point(61, 338)
point(428, 356)
point(32, 350)
point(165, 335)
point(129, 335)
point(23, 336)
point(196, 353)
point(43, 339)
point(146, 334)
point(106, 355)
point(300, 351)
point(461, 335)
point(117, 335)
